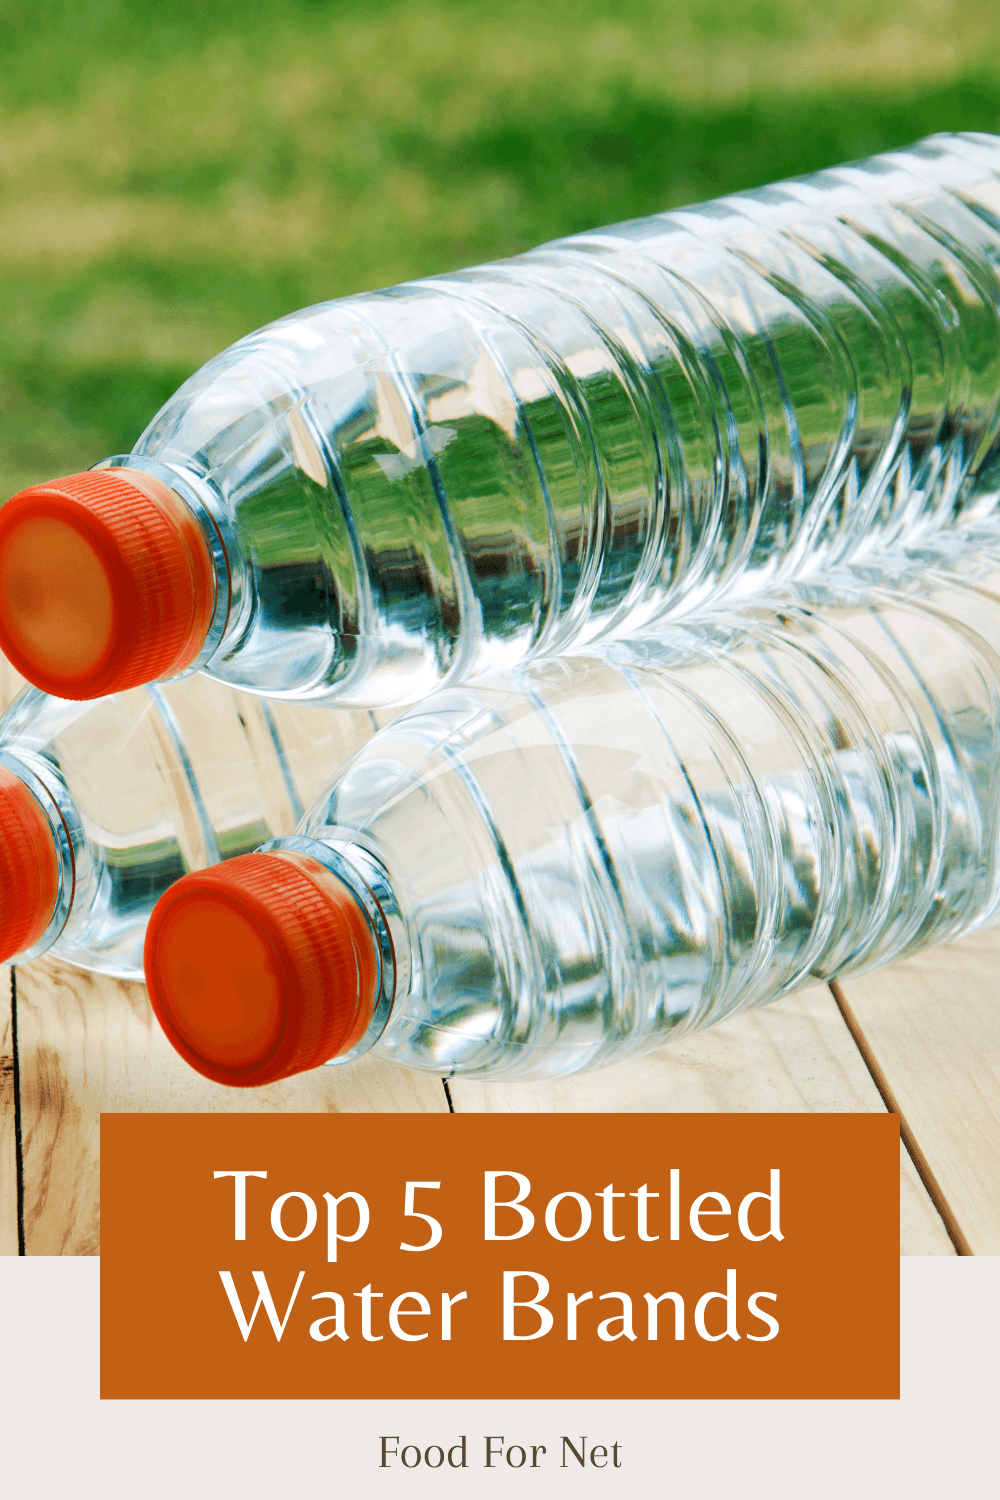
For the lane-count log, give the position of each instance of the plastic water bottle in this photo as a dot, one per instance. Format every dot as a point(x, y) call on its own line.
point(103, 805)
point(405, 488)
point(572, 862)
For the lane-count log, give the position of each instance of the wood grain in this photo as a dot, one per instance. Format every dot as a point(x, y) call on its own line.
point(88, 1043)
point(930, 1027)
point(795, 1055)
point(8, 1115)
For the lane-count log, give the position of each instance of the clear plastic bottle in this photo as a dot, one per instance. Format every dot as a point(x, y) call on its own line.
point(103, 805)
point(404, 488)
point(570, 863)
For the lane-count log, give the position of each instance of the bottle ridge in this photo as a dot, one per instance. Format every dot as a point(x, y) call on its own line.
point(402, 489)
point(572, 862)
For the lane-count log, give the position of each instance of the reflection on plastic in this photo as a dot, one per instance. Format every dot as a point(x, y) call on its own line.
point(135, 790)
point(568, 864)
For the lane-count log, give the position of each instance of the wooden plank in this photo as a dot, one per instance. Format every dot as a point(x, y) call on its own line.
point(87, 1043)
point(795, 1055)
point(11, 684)
point(930, 1029)
point(8, 1116)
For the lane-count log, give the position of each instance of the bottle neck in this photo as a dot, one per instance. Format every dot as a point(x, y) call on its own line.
point(232, 597)
point(368, 881)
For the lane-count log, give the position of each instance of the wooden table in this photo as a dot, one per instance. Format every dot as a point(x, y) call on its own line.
point(921, 1037)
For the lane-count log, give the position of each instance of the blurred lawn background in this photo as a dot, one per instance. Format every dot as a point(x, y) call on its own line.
point(174, 173)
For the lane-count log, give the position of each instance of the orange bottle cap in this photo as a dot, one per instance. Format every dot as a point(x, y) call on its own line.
point(106, 582)
point(261, 967)
point(29, 868)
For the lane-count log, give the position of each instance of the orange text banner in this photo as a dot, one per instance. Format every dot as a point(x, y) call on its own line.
point(489, 1256)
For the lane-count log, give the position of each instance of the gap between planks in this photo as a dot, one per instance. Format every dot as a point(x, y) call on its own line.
point(907, 1138)
point(931, 1025)
point(88, 1043)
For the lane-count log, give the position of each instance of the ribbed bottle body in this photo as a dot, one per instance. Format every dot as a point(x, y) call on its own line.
point(143, 786)
point(592, 854)
point(455, 475)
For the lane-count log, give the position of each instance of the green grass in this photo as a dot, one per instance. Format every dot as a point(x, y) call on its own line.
point(174, 175)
